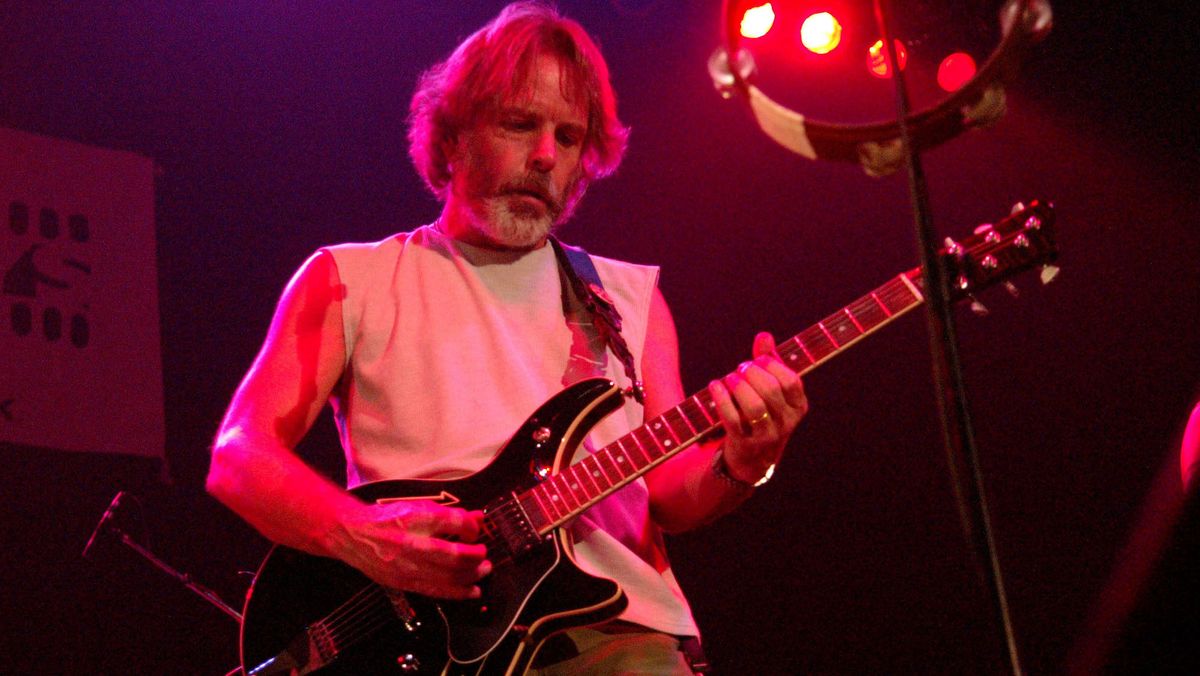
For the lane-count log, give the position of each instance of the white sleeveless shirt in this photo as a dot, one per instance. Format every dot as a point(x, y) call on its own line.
point(451, 347)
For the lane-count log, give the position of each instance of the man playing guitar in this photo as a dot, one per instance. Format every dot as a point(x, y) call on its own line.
point(434, 345)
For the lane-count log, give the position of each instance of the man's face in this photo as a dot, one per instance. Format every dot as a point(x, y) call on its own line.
point(515, 170)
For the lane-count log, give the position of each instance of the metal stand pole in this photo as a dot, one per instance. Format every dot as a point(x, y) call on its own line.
point(947, 371)
point(186, 579)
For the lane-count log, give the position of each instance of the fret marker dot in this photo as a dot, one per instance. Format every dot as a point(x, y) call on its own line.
point(793, 357)
point(620, 458)
point(596, 473)
point(554, 498)
point(667, 442)
point(574, 487)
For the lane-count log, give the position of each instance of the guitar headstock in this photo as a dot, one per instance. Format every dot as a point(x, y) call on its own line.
point(995, 252)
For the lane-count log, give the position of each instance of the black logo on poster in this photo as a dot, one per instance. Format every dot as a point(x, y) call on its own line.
point(32, 282)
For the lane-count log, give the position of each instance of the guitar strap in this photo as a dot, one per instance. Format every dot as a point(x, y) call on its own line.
point(585, 282)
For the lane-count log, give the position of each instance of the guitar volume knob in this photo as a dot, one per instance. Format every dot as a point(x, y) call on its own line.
point(542, 435)
point(408, 663)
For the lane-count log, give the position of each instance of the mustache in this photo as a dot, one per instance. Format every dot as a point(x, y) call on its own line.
point(538, 186)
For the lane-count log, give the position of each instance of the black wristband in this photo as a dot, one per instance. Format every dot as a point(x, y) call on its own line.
point(722, 471)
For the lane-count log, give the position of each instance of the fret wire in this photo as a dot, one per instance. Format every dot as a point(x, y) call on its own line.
point(860, 312)
point(591, 472)
point(591, 487)
point(671, 427)
point(528, 502)
point(641, 445)
point(898, 295)
point(804, 348)
point(600, 456)
point(612, 470)
point(853, 319)
point(693, 412)
point(828, 335)
point(543, 493)
point(840, 326)
point(875, 297)
point(571, 479)
point(791, 352)
point(692, 431)
point(708, 407)
point(867, 312)
point(673, 440)
point(556, 501)
point(576, 485)
point(562, 490)
point(621, 459)
point(916, 284)
point(819, 345)
point(531, 507)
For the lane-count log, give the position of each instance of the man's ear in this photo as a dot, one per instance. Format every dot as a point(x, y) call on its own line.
point(450, 146)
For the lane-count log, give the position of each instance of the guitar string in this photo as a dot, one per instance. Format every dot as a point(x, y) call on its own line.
point(348, 608)
point(345, 630)
point(368, 620)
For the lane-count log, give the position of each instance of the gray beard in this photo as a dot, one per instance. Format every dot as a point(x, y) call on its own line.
point(515, 229)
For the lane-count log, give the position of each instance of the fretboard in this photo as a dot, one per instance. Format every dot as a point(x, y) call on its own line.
point(563, 496)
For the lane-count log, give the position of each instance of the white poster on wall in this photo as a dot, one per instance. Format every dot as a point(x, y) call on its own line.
point(80, 361)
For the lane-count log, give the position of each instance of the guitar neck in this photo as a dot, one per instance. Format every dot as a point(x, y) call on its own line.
point(563, 496)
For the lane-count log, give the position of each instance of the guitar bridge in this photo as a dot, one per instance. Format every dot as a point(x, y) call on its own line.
point(507, 522)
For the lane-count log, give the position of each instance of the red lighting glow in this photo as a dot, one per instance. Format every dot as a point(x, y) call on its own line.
point(956, 70)
point(821, 33)
point(757, 21)
point(877, 59)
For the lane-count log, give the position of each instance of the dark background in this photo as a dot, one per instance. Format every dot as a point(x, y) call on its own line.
point(279, 127)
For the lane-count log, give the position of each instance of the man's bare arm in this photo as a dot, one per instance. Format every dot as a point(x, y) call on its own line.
point(255, 472)
point(685, 492)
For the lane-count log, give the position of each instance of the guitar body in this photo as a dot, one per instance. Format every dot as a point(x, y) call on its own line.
point(307, 613)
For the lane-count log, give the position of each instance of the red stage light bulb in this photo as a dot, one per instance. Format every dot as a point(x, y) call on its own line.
point(757, 21)
point(956, 70)
point(877, 59)
point(821, 33)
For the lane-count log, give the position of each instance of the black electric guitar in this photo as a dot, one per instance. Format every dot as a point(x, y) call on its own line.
point(307, 613)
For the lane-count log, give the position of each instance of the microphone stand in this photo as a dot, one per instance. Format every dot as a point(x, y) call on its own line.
point(184, 578)
point(955, 416)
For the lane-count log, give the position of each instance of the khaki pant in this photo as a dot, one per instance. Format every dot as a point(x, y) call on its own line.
point(615, 648)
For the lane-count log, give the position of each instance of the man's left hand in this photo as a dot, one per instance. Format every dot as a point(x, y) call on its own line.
point(760, 405)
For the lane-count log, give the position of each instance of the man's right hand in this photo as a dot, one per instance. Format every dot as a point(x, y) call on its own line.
point(418, 546)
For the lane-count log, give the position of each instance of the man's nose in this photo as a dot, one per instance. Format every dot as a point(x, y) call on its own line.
point(544, 154)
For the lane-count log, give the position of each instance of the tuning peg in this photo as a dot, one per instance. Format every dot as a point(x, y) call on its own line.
point(953, 248)
point(989, 233)
point(1012, 289)
point(1017, 206)
point(1049, 272)
point(978, 308)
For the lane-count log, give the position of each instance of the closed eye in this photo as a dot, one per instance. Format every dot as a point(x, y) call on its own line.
point(519, 124)
point(569, 139)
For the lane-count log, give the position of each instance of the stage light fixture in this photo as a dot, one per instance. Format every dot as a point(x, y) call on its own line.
point(821, 33)
point(757, 21)
point(877, 59)
point(955, 71)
